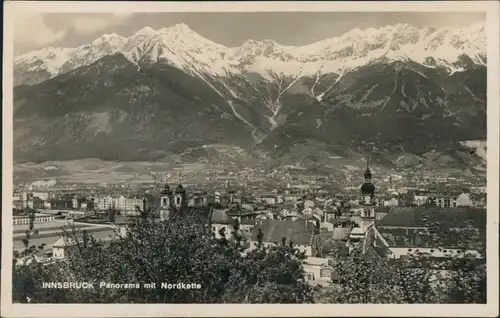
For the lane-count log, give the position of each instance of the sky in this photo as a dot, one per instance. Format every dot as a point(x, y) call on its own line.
point(35, 31)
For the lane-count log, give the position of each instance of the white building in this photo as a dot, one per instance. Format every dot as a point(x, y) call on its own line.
point(39, 218)
point(62, 246)
point(318, 271)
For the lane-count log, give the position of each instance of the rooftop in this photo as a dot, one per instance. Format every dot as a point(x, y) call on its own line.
point(219, 216)
point(299, 231)
point(420, 238)
point(422, 216)
point(341, 233)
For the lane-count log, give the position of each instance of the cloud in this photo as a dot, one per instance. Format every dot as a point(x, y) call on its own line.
point(31, 29)
point(34, 30)
point(89, 24)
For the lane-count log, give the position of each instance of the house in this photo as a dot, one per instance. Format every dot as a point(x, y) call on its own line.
point(300, 232)
point(36, 203)
point(61, 204)
point(245, 217)
point(391, 202)
point(127, 204)
point(291, 197)
point(357, 234)
point(105, 202)
point(420, 198)
point(196, 201)
point(446, 201)
point(83, 204)
point(220, 221)
point(62, 247)
point(406, 230)
point(269, 199)
point(318, 271)
point(18, 204)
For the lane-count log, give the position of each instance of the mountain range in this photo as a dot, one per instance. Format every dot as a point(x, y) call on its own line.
point(393, 92)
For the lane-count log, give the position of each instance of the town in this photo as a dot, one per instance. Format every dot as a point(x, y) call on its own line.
point(388, 212)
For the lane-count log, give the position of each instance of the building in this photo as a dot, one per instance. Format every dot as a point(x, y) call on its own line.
point(391, 202)
point(300, 232)
point(173, 201)
point(18, 204)
point(406, 230)
point(44, 195)
point(61, 204)
point(446, 201)
point(220, 221)
point(318, 271)
point(341, 233)
point(420, 198)
point(62, 247)
point(269, 199)
point(39, 218)
point(125, 203)
point(35, 203)
point(367, 207)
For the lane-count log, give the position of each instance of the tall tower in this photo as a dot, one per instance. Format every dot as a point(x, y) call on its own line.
point(180, 198)
point(368, 200)
point(165, 202)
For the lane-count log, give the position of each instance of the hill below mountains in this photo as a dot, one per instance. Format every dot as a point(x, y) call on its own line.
point(389, 93)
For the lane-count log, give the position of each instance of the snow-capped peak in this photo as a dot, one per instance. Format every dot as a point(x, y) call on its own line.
point(182, 47)
point(112, 38)
point(253, 48)
point(145, 31)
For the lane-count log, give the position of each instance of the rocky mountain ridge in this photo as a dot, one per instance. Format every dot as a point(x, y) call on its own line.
point(391, 91)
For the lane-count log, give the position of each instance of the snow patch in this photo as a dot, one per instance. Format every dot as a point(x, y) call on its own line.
point(185, 49)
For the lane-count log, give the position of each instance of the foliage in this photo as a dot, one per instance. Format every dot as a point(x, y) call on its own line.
point(416, 278)
point(181, 250)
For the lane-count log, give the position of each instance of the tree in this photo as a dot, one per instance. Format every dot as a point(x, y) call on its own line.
point(418, 277)
point(180, 250)
point(270, 275)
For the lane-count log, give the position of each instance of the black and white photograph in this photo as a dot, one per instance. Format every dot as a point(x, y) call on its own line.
point(264, 156)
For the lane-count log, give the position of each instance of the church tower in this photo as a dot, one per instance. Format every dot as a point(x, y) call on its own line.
point(180, 198)
point(165, 202)
point(368, 200)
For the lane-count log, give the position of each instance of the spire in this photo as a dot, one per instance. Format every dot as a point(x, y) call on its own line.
point(166, 189)
point(368, 173)
point(368, 187)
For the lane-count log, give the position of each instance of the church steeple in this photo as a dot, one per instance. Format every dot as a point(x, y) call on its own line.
point(368, 188)
point(368, 173)
point(166, 202)
point(180, 198)
point(368, 200)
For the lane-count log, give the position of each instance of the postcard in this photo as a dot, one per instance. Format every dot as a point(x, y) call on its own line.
point(233, 159)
